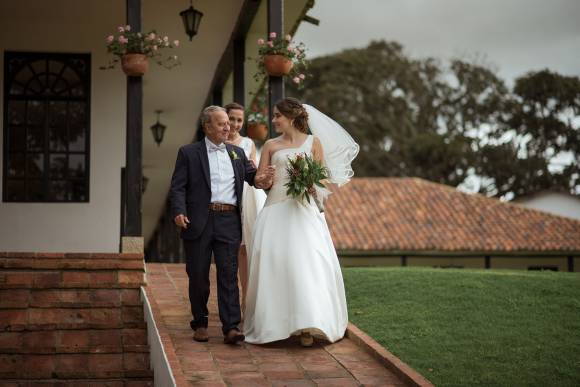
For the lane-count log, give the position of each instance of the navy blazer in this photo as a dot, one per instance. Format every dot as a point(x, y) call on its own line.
point(190, 192)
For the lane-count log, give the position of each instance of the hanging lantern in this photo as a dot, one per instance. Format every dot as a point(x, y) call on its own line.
point(191, 18)
point(158, 129)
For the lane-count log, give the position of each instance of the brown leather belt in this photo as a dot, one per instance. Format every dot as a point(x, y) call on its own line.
point(222, 207)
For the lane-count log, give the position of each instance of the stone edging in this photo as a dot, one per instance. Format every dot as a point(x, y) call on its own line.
point(406, 373)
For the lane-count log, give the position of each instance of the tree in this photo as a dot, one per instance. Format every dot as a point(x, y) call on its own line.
point(415, 117)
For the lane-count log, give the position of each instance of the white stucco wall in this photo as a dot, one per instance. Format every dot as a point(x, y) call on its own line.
point(71, 26)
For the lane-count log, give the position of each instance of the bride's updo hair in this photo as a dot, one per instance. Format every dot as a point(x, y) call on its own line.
point(292, 108)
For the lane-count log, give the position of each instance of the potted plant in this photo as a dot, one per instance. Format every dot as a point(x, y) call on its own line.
point(281, 56)
point(257, 127)
point(133, 50)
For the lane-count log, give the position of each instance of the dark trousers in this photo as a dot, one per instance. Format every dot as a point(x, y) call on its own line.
point(222, 237)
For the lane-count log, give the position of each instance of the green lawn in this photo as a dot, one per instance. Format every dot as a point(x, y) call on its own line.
point(461, 327)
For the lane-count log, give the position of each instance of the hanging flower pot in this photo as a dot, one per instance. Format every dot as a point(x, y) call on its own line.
point(133, 50)
point(277, 65)
point(257, 131)
point(134, 65)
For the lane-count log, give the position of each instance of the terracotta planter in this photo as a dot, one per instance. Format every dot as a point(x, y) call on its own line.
point(134, 65)
point(277, 65)
point(257, 131)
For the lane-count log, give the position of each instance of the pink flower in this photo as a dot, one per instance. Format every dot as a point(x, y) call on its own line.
point(110, 39)
point(270, 43)
point(151, 36)
point(176, 43)
point(288, 37)
point(165, 39)
point(154, 48)
point(290, 49)
point(273, 35)
point(123, 40)
point(261, 41)
point(127, 27)
point(302, 76)
point(296, 80)
point(121, 29)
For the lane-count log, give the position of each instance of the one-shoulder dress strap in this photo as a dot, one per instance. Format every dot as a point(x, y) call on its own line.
point(308, 143)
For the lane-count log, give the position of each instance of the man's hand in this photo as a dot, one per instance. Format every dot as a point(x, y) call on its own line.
point(181, 221)
point(266, 178)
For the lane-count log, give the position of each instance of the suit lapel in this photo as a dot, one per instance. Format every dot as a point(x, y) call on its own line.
point(204, 161)
point(230, 149)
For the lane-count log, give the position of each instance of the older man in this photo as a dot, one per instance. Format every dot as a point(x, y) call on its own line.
point(205, 194)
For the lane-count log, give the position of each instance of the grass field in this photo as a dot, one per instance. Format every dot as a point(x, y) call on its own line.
point(462, 327)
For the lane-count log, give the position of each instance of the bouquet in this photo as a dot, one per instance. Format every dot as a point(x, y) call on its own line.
point(305, 176)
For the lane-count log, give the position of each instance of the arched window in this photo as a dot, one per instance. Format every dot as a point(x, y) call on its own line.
point(46, 127)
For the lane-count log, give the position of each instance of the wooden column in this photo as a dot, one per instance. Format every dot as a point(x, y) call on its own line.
point(276, 84)
point(217, 97)
point(134, 146)
point(239, 60)
point(487, 262)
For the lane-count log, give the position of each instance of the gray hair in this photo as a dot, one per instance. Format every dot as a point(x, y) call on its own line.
point(207, 112)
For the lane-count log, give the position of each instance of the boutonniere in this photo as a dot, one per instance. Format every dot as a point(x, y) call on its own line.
point(233, 155)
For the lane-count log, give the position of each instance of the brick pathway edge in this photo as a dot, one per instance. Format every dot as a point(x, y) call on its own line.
point(401, 369)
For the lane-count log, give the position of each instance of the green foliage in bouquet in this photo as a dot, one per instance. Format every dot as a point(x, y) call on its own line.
point(304, 172)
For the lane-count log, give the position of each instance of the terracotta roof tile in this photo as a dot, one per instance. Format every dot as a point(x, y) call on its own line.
point(411, 214)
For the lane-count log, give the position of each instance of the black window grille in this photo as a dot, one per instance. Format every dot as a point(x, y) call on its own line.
point(46, 127)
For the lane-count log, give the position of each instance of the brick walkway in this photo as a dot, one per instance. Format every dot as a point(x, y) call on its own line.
point(283, 363)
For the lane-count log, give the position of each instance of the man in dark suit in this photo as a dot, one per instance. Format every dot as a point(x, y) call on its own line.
point(205, 194)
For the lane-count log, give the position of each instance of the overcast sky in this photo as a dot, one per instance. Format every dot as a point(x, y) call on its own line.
point(514, 36)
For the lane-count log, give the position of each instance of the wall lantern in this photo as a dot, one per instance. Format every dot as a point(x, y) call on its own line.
point(158, 129)
point(191, 19)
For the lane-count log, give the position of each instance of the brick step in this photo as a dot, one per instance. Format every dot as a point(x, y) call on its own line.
point(132, 382)
point(68, 298)
point(75, 366)
point(75, 341)
point(66, 279)
point(58, 261)
point(33, 319)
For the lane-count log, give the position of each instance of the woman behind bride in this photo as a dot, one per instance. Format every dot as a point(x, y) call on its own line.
point(295, 284)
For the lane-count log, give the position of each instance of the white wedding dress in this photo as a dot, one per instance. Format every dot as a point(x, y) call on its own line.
point(295, 282)
point(252, 198)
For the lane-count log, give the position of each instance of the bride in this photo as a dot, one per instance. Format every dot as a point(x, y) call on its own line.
point(295, 284)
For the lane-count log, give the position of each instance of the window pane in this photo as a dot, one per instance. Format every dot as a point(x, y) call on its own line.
point(16, 112)
point(35, 191)
point(58, 165)
point(76, 166)
point(35, 165)
point(16, 138)
point(57, 113)
point(79, 191)
point(35, 113)
point(15, 190)
point(23, 76)
point(58, 190)
point(16, 165)
point(57, 139)
point(55, 66)
point(77, 126)
point(35, 138)
point(70, 76)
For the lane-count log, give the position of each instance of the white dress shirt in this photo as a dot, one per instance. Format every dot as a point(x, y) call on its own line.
point(221, 174)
